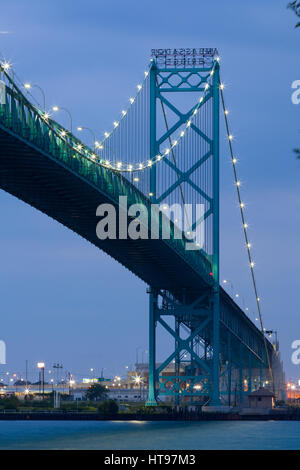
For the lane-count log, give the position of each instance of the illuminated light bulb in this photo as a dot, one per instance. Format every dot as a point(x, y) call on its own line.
point(222, 86)
point(182, 134)
point(248, 245)
point(230, 136)
point(6, 65)
point(149, 162)
point(159, 157)
point(27, 86)
point(237, 295)
point(139, 87)
point(106, 134)
point(136, 179)
point(188, 123)
point(79, 147)
point(256, 319)
point(211, 72)
point(46, 116)
point(252, 264)
point(195, 112)
point(206, 86)
point(146, 74)
point(131, 100)
point(201, 99)
point(218, 59)
point(93, 156)
point(238, 183)
point(247, 308)
point(107, 162)
point(116, 123)
point(234, 160)
point(167, 151)
point(119, 164)
point(123, 112)
point(55, 108)
point(175, 143)
point(140, 165)
point(226, 112)
point(130, 167)
point(242, 205)
point(79, 128)
point(150, 194)
point(225, 281)
point(245, 225)
point(63, 133)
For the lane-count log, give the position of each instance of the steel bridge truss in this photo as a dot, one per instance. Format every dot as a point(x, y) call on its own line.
point(217, 356)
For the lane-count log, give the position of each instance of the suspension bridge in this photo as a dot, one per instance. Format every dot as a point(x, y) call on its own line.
point(163, 150)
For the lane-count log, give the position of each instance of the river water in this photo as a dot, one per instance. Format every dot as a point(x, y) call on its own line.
point(135, 435)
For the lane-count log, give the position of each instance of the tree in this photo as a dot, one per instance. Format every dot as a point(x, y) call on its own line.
point(96, 392)
point(108, 407)
point(295, 6)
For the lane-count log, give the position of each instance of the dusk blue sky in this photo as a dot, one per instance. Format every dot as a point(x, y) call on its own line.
point(62, 300)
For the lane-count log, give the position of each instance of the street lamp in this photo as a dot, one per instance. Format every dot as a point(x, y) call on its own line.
point(41, 366)
point(56, 108)
point(28, 86)
point(81, 128)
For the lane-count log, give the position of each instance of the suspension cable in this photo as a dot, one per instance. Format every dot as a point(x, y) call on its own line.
point(245, 226)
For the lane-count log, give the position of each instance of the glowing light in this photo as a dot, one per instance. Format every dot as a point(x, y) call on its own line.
point(27, 86)
point(123, 112)
point(252, 264)
point(136, 179)
point(6, 65)
point(131, 100)
point(55, 108)
point(245, 225)
point(230, 137)
point(222, 86)
point(116, 123)
point(234, 160)
point(238, 183)
point(248, 245)
point(226, 112)
point(242, 205)
point(79, 128)
point(139, 87)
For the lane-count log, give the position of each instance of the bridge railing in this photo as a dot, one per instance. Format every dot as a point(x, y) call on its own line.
point(37, 129)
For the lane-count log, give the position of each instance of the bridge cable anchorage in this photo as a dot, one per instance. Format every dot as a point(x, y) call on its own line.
point(140, 166)
point(245, 226)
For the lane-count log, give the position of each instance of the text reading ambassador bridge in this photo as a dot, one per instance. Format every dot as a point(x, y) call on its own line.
point(164, 150)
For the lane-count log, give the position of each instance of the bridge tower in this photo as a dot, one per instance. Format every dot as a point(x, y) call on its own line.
point(195, 314)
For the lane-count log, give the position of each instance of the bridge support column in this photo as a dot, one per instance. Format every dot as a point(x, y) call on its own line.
point(151, 401)
point(215, 397)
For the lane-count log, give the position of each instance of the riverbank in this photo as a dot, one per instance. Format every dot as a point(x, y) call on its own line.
point(80, 416)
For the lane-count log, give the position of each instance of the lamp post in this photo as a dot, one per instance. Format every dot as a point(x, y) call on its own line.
point(57, 108)
point(41, 366)
point(81, 128)
point(28, 86)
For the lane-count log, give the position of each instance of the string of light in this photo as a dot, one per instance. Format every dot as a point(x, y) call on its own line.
point(121, 166)
point(245, 227)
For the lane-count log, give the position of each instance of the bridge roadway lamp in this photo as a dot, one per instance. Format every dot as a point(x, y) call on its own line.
point(58, 108)
point(28, 86)
point(41, 366)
